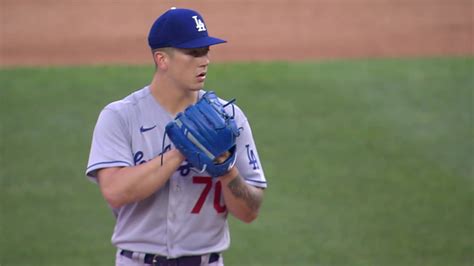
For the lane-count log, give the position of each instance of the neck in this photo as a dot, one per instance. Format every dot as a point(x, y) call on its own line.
point(172, 98)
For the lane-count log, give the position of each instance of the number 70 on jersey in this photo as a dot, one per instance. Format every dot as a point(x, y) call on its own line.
point(208, 184)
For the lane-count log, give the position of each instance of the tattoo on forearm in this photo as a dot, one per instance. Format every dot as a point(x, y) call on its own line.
point(240, 190)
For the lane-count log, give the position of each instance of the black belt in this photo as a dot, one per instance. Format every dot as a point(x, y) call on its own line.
point(158, 260)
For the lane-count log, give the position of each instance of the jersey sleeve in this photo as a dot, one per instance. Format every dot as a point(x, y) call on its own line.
point(111, 144)
point(248, 162)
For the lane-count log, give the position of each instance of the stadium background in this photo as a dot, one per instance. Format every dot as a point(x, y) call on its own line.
point(114, 31)
point(362, 111)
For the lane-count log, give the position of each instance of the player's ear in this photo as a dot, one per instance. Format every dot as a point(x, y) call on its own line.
point(162, 58)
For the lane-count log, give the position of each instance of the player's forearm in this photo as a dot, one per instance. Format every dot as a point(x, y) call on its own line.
point(241, 199)
point(125, 185)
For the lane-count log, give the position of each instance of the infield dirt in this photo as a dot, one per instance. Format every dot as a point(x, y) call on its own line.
point(39, 32)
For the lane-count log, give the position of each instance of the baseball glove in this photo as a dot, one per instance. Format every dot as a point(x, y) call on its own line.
point(204, 133)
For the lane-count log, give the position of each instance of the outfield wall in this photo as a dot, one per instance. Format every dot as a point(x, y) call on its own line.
point(37, 32)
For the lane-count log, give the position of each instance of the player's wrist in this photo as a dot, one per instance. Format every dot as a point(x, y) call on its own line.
point(178, 155)
point(173, 156)
point(230, 175)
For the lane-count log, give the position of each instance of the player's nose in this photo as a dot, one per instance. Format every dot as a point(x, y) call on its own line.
point(204, 60)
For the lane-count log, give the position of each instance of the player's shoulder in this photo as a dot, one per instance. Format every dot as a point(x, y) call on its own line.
point(129, 101)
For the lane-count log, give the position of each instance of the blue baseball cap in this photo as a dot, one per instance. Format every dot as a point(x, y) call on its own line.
point(180, 28)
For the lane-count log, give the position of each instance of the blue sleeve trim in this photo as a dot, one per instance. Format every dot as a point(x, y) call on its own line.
point(256, 181)
point(111, 162)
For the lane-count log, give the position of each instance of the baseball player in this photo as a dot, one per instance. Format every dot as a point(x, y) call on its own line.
point(172, 160)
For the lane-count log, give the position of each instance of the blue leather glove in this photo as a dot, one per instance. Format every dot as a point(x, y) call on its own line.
point(203, 133)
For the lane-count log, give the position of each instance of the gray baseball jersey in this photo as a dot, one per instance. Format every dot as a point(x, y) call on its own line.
point(187, 216)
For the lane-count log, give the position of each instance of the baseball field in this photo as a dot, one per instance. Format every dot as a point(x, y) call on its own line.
point(369, 162)
point(362, 111)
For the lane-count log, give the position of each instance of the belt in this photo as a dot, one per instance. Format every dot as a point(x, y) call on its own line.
point(157, 260)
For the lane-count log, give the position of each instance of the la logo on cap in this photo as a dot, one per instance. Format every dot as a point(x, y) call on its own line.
point(180, 28)
point(199, 24)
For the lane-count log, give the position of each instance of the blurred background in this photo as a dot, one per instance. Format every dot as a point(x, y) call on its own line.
point(37, 32)
point(362, 111)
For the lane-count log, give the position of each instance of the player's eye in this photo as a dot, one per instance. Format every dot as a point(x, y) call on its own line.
point(197, 52)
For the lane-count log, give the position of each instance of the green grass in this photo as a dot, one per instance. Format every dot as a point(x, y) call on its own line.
point(368, 162)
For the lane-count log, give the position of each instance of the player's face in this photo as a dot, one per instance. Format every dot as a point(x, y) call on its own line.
point(188, 67)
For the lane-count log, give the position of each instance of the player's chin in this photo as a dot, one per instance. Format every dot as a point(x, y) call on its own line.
point(197, 86)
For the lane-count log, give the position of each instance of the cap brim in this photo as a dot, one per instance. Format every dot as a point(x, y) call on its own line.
point(200, 42)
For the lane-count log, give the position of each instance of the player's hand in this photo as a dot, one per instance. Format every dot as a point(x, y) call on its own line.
point(221, 158)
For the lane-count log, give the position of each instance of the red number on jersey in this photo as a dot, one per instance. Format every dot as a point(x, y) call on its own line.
point(207, 181)
point(217, 198)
